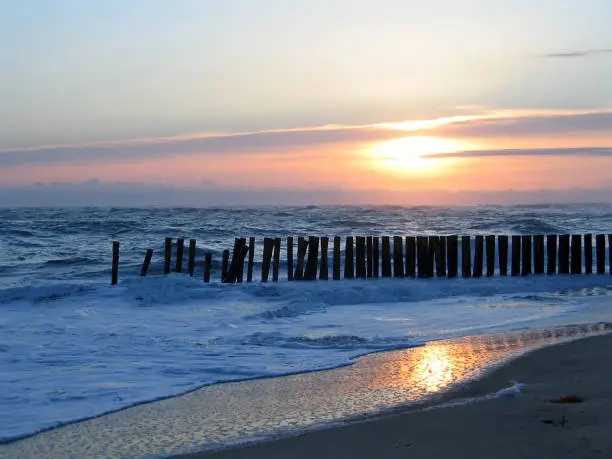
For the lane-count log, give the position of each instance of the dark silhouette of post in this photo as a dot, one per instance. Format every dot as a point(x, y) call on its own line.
point(115, 265)
point(502, 245)
point(551, 254)
point(180, 247)
point(167, 255)
point(146, 263)
point(191, 257)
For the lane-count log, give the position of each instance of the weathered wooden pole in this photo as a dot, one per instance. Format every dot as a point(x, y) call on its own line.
point(610, 253)
point(434, 254)
point(526, 255)
point(441, 258)
point(146, 263)
point(360, 257)
point(398, 256)
point(180, 247)
point(452, 255)
point(267, 258)
point(251, 261)
point(375, 257)
point(167, 255)
point(313, 259)
point(576, 251)
point(115, 265)
point(564, 250)
point(301, 254)
point(588, 254)
point(551, 254)
point(349, 256)
point(502, 245)
point(386, 256)
point(515, 269)
point(466, 256)
point(244, 250)
point(276, 259)
point(600, 247)
point(490, 253)
point(290, 258)
point(208, 266)
point(538, 254)
point(324, 269)
point(225, 265)
point(410, 256)
point(336, 260)
point(191, 257)
point(369, 257)
point(478, 255)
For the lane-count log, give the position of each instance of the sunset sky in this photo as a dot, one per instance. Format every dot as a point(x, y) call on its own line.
point(295, 102)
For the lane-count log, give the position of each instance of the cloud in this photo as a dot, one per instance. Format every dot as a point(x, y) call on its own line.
point(601, 152)
point(531, 125)
point(264, 141)
point(577, 54)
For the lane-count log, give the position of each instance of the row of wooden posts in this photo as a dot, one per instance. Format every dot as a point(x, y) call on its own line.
point(410, 256)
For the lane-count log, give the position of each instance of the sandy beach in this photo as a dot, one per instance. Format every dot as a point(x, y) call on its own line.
point(528, 425)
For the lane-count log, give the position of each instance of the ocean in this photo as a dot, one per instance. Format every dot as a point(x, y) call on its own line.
point(74, 347)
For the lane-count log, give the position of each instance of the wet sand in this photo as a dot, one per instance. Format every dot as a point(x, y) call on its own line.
point(224, 414)
point(527, 425)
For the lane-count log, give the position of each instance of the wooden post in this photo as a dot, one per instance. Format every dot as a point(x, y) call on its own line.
point(360, 255)
point(502, 245)
point(313, 259)
point(236, 269)
point(466, 256)
point(180, 247)
point(375, 257)
point(349, 269)
point(336, 267)
point(369, 257)
point(600, 248)
point(208, 266)
point(434, 255)
point(398, 256)
point(115, 265)
point(224, 266)
point(424, 266)
point(276, 259)
point(244, 250)
point(191, 257)
point(147, 263)
point(232, 272)
point(301, 253)
point(610, 253)
point(564, 250)
point(551, 254)
point(490, 250)
point(516, 256)
point(452, 255)
point(290, 258)
point(526, 255)
point(267, 258)
point(538, 254)
point(588, 254)
point(576, 250)
point(386, 256)
point(441, 258)
point(478, 255)
point(410, 256)
point(251, 262)
point(167, 255)
point(324, 269)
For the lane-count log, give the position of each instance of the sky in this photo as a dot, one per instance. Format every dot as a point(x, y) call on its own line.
point(245, 102)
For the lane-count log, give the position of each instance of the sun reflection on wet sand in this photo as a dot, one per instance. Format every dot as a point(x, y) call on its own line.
point(232, 412)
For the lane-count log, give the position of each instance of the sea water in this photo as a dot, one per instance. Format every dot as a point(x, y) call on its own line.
point(73, 347)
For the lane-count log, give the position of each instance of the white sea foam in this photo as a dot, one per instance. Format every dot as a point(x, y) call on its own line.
point(76, 351)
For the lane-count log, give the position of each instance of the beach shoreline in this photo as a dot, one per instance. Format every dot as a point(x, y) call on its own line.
point(515, 424)
point(221, 421)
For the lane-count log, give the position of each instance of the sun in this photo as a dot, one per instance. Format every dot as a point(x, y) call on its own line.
point(413, 155)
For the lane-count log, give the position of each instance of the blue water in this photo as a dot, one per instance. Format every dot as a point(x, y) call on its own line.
point(72, 346)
